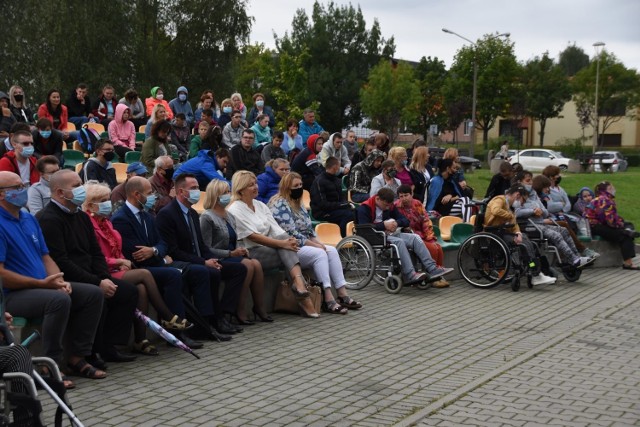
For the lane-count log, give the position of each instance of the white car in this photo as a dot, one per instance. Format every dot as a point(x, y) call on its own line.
point(536, 159)
point(613, 161)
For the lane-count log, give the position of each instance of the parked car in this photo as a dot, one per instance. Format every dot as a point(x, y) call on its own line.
point(613, 161)
point(536, 159)
point(467, 161)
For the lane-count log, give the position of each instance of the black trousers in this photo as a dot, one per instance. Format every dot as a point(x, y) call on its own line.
point(117, 317)
point(616, 235)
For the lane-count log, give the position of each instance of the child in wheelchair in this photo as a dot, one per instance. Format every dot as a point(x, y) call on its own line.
point(499, 217)
point(380, 211)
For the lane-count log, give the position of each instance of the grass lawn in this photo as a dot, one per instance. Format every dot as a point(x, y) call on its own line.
point(626, 183)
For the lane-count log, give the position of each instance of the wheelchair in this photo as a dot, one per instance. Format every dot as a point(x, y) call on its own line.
point(368, 255)
point(486, 259)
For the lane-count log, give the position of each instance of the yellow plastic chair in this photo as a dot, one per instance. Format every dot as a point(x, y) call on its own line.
point(328, 233)
point(472, 220)
point(79, 167)
point(306, 199)
point(121, 171)
point(199, 207)
point(98, 127)
point(351, 225)
point(142, 128)
point(71, 127)
point(445, 224)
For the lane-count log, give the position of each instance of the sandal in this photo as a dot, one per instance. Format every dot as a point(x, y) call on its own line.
point(176, 324)
point(67, 383)
point(630, 267)
point(84, 369)
point(146, 348)
point(333, 307)
point(349, 302)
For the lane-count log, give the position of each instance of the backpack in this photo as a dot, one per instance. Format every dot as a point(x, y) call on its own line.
point(87, 138)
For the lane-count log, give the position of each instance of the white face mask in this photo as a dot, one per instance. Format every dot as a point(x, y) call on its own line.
point(160, 97)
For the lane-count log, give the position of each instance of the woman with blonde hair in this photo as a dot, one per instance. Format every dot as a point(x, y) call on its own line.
point(159, 113)
point(324, 260)
point(259, 232)
point(98, 206)
point(421, 173)
point(219, 233)
point(400, 161)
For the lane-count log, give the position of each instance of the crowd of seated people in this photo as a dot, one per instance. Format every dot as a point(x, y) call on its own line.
point(122, 246)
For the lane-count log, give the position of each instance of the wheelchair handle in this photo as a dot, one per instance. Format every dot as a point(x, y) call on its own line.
point(472, 203)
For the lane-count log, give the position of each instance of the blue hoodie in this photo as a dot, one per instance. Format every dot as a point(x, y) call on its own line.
point(183, 107)
point(204, 166)
point(267, 184)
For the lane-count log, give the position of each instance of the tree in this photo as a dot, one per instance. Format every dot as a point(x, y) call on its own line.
point(618, 92)
point(338, 52)
point(546, 90)
point(573, 59)
point(497, 72)
point(391, 96)
point(431, 75)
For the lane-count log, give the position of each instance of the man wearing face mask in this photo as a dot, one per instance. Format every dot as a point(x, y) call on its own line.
point(142, 244)
point(47, 141)
point(35, 287)
point(386, 179)
point(99, 168)
point(179, 227)
point(119, 195)
point(162, 182)
point(21, 160)
point(73, 245)
point(328, 202)
point(335, 148)
point(181, 104)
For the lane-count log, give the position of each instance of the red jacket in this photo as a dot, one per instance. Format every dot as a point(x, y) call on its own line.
point(43, 112)
point(10, 164)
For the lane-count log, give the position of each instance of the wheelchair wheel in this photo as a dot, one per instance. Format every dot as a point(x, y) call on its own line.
point(393, 284)
point(571, 274)
point(385, 265)
point(358, 261)
point(515, 283)
point(484, 260)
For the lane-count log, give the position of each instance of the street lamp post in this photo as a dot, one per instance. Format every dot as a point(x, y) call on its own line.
point(597, 46)
point(474, 99)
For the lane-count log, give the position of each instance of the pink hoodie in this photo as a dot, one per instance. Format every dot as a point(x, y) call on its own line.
point(123, 134)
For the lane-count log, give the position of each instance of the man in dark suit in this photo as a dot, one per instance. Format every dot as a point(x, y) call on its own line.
point(141, 243)
point(73, 246)
point(179, 227)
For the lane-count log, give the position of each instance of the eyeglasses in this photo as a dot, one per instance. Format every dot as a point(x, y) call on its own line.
point(17, 187)
point(108, 151)
point(26, 143)
point(236, 117)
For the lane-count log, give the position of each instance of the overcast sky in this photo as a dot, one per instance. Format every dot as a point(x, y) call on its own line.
point(535, 26)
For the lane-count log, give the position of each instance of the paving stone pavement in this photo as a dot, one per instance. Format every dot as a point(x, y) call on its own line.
point(565, 354)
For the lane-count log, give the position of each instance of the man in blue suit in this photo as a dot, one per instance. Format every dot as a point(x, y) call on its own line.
point(141, 243)
point(179, 227)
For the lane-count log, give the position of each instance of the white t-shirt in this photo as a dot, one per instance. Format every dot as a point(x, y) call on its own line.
point(25, 171)
point(249, 222)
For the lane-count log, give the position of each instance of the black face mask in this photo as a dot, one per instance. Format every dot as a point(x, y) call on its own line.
point(168, 173)
point(558, 179)
point(296, 193)
point(392, 173)
point(18, 98)
point(109, 156)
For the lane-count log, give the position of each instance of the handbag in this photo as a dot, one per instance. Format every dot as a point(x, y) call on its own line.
point(287, 302)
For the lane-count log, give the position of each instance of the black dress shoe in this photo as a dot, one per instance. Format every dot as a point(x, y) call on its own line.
point(223, 327)
point(230, 325)
point(192, 344)
point(200, 333)
point(118, 357)
point(96, 361)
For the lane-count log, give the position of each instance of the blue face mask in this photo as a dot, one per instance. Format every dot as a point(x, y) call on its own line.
point(182, 97)
point(405, 162)
point(28, 151)
point(227, 110)
point(151, 200)
point(104, 208)
point(45, 133)
point(259, 104)
point(17, 198)
point(194, 196)
point(224, 200)
point(79, 196)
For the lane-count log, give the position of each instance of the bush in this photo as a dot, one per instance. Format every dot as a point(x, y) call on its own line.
point(571, 147)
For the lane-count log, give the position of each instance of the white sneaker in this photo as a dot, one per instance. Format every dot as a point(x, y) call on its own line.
point(582, 261)
point(541, 279)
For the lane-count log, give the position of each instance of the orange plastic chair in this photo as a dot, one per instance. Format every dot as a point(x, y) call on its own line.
point(328, 233)
point(71, 127)
point(121, 171)
point(79, 167)
point(96, 126)
point(142, 128)
point(351, 225)
point(199, 207)
point(472, 220)
point(445, 226)
point(306, 199)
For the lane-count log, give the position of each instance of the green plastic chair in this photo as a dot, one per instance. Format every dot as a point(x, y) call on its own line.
point(132, 156)
point(446, 246)
point(140, 137)
point(72, 158)
point(460, 232)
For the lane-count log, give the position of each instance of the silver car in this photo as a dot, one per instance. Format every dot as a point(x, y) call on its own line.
point(613, 161)
point(536, 159)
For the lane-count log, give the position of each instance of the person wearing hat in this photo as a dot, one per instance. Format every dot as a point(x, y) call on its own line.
point(157, 97)
point(118, 194)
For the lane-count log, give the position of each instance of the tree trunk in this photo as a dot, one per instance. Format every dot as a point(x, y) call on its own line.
point(543, 123)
